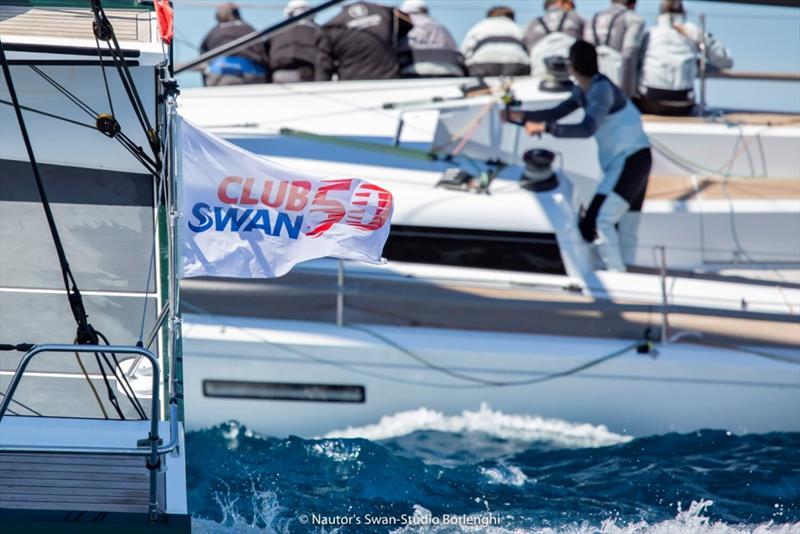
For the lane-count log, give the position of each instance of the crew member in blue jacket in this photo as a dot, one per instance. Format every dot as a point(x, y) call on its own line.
point(623, 151)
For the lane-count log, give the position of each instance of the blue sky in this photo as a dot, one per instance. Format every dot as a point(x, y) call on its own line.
point(761, 38)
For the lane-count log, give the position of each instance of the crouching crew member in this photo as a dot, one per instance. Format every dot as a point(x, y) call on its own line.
point(244, 66)
point(361, 43)
point(623, 151)
point(293, 52)
point(429, 49)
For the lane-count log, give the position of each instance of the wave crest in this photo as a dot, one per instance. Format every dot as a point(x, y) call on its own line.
point(485, 420)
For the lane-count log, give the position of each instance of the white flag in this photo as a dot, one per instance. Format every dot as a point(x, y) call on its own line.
point(246, 217)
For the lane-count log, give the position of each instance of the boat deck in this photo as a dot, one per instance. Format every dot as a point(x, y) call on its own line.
point(75, 23)
point(678, 188)
point(519, 309)
point(69, 482)
point(754, 118)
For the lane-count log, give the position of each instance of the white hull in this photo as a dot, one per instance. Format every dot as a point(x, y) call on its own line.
point(684, 388)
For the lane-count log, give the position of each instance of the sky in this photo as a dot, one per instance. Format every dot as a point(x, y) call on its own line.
point(761, 38)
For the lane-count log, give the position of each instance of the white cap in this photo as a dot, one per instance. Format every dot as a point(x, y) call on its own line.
point(294, 7)
point(413, 6)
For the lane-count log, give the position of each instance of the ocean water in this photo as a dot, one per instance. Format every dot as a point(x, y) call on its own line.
point(485, 471)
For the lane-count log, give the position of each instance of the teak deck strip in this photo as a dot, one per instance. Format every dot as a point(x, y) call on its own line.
point(682, 188)
point(129, 25)
point(73, 482)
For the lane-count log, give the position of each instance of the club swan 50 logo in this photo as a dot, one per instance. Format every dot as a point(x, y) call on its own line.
point(291, 207)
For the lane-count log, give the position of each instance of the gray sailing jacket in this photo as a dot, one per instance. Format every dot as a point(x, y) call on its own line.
point(429, 50)
point(625, 35)
point(573, 26)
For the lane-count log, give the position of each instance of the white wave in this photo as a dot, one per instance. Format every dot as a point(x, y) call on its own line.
point(336, 451)
point(691, 521)
point(510, 475)
point(486, 420)
point(265, 511)
point(271, 518)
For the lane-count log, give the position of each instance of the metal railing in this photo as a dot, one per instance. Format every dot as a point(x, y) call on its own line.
point(732, 74)
point(152, 451)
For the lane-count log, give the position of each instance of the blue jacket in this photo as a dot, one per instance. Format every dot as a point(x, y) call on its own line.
point(609, 116)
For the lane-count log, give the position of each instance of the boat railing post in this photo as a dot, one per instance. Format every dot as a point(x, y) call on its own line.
point(703, 62)
point(664, 301)
point(172, 178)
point(399, 131)
point(340, 295)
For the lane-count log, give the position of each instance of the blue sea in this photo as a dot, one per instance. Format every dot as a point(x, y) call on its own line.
point(484, 471)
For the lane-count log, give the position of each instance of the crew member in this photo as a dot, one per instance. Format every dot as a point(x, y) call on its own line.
point(293, 52)
point(495, 47)
point(617, 33)
point(671, 62)
point(361, 43)
point(623, 151)
point(553, 33)
point(429, 49)
point(244, 66)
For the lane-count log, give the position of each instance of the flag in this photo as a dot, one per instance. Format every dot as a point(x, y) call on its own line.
point(244, 216)
point(164, 15)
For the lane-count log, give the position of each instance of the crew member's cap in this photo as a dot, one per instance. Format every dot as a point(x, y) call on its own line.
point(295, 7)
point(414, 6)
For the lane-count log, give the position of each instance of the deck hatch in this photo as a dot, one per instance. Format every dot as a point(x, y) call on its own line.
point(288, 391)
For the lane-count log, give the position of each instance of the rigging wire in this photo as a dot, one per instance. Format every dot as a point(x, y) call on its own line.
point(51, 115)
point(85, 334)
point(135, 150)
point(105, 78)
point(104, 30)
point(34, 412)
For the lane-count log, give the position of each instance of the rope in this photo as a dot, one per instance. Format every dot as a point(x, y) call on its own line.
point(339, 365)
point(91, 385)
point(85, 333)
point(123, 381)
point(528, 381)
point(473, 382)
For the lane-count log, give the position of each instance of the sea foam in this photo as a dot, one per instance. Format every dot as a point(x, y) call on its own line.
point(495, 423)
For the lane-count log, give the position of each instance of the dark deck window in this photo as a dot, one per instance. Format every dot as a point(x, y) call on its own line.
point(288, 391)
point(488, 249)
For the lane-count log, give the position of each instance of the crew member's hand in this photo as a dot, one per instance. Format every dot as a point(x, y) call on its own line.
point(534, 128)
point(507, 115)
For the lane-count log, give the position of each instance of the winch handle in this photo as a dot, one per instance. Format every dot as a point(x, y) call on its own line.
point(509, 101)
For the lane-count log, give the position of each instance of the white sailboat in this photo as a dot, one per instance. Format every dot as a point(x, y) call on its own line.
point(83, 446)
point(489, 295)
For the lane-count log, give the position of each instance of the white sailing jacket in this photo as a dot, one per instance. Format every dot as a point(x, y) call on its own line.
point(670, 56)
point(495, 40)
